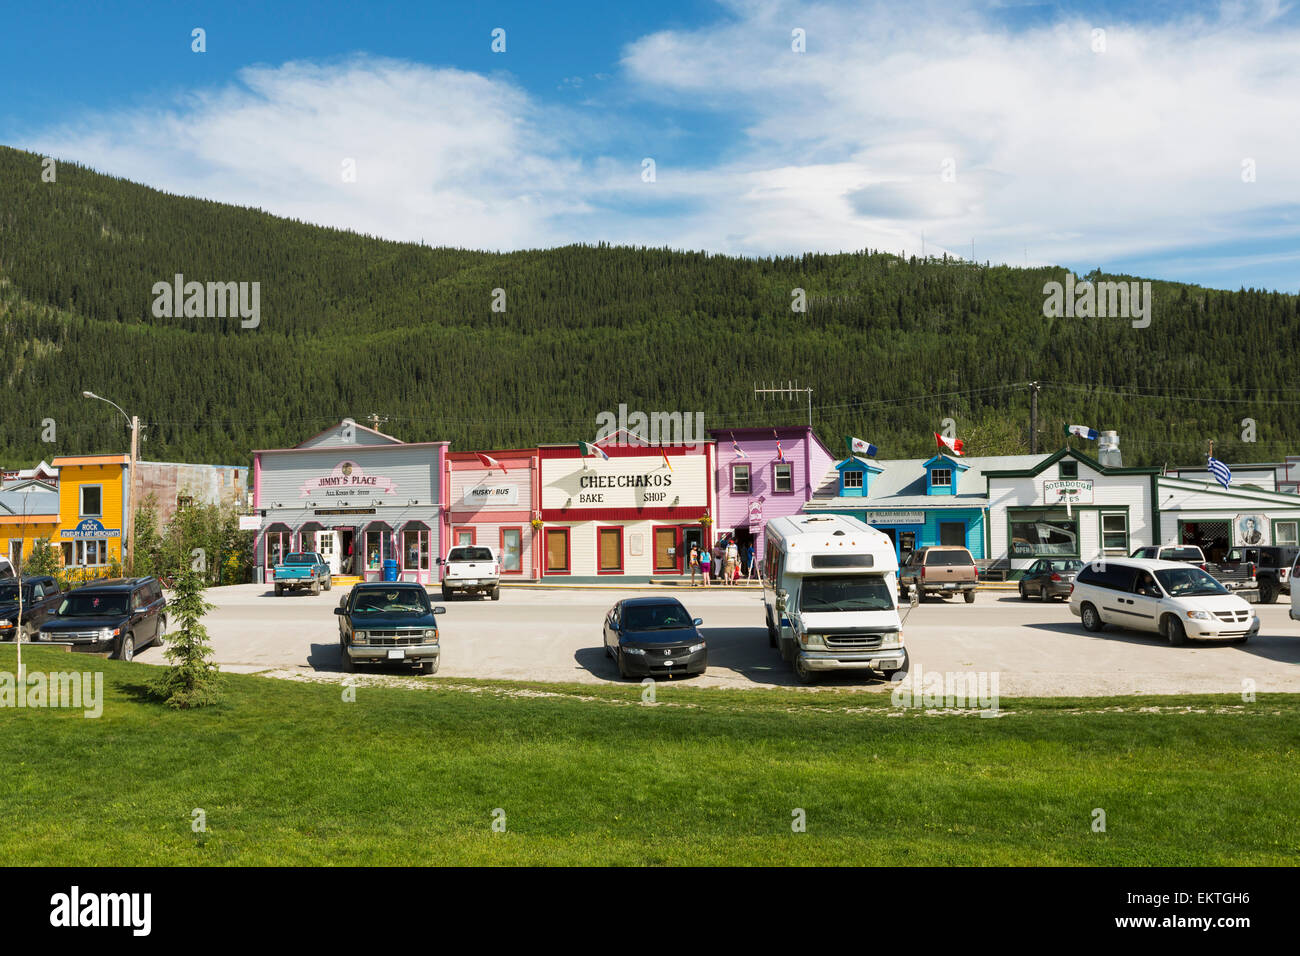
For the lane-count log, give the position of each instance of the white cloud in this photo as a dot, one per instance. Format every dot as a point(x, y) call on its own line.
point(1084, 157)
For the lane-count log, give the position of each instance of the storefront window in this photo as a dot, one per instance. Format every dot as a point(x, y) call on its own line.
point(377, 549)
point(277, 546)
point(1044, 533)
point(415, 549)
point(610, 549)
point(512, 550)
point(740, 479)
point(308, 541)
point(557, 550)
point(665, 549)
point(91, 552)
point(1284, 533)
point(1114, 532)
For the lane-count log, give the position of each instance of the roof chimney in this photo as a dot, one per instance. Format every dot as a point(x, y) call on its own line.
point(1108, 449)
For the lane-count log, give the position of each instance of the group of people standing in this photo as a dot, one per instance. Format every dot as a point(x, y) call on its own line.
point(726, 562)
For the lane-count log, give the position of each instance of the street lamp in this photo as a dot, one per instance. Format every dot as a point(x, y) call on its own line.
point(128, 547)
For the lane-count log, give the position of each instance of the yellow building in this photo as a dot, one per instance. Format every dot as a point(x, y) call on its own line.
point(92, 509)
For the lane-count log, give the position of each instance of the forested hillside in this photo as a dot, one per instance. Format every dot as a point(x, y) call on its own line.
point(354, 326)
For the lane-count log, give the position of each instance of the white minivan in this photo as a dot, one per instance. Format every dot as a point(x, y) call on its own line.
point(1170, 598)
point(829, 587)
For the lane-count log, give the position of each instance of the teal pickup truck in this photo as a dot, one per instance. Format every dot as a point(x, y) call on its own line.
point(302, 569)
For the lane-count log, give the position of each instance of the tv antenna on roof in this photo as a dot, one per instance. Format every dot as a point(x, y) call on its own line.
point(790, 390)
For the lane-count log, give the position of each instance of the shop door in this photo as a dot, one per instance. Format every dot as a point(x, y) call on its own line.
point(666, 549)
point(906, 545)
point(691, 536)
point(327, 543)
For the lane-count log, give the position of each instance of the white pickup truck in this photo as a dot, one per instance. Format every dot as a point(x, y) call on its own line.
point(472, 569)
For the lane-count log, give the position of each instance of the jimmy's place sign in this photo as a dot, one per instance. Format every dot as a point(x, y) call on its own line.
point(347, 480)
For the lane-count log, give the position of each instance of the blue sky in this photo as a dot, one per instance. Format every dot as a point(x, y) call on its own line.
point(1163, 145)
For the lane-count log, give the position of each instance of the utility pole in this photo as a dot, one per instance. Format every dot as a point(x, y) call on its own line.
point(789, 391)
point(1033, 418)
point(130, 495)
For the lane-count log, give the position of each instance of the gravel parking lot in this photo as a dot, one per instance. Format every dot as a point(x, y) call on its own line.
point(554, 635)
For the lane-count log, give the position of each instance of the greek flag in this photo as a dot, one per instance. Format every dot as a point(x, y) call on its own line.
point(1221, 472)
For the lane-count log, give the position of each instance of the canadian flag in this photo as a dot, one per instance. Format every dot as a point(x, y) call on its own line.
point(490, 462)
point(953, 445)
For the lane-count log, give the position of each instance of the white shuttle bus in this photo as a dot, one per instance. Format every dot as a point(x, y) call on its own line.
point(829, 590)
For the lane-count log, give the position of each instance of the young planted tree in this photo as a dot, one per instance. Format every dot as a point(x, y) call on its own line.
point(192, 680)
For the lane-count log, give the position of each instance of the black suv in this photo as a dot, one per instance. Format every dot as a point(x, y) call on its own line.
point(40, 597)
point(1272, 568)
point(117, 617)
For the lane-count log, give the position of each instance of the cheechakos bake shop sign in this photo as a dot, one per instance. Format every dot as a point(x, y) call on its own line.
point(347, 480)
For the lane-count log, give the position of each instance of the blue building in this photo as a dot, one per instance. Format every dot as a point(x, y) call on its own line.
point(940, 500)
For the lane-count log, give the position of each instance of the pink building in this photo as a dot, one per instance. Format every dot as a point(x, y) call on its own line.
point(757, 483)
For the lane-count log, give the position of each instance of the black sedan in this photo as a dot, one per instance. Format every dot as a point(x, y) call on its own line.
point(1049, 578)
point(654, 637)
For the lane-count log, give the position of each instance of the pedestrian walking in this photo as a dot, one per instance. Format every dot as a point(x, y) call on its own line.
point(706, 559)
point(694, 562)
point(730, 557)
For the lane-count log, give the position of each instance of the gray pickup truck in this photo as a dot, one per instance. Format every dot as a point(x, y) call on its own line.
point(943, 570)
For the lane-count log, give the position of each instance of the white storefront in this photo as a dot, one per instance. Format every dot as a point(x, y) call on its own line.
point(634, 515)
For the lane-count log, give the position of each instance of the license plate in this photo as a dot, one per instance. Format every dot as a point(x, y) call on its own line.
point(949, 586)
point(471, 581)
point(397, 655)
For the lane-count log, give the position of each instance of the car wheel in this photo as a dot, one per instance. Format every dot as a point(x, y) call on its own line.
point(496, 593)
point(1042, 593)
point(1175, 633)
point(970, 597)
point(802, 672)
point(160, 639)
point(429, 667)
point(279, 590)
point(1267, 593)
point(1090, 618)
point(446, 594)
point(349, 666)
point(771, 632)
point(622, 668)
point(1024, 595)
point(329, 583)
point(315, 587)
point(126, 652)
point(902, 594)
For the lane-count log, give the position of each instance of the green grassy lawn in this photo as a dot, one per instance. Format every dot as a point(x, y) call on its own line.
point(289, 773)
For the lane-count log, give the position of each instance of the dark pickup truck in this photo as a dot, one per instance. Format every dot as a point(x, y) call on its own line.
point(1272, 568)
point(40, 599)
point(389, 622)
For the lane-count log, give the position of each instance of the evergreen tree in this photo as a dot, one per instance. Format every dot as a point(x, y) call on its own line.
point(192, 680)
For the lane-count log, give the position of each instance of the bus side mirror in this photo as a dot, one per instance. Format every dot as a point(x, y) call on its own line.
point(439, 610)
point(782, 596)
